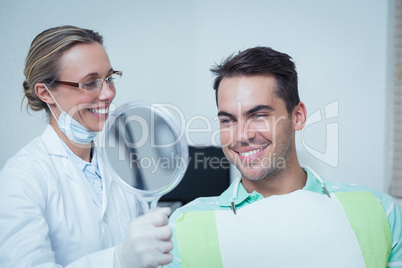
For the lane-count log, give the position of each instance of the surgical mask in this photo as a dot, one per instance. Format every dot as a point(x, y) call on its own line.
point(74, 131)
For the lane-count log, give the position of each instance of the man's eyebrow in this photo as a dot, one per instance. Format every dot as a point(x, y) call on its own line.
point(258, 108)
point(251, 111)
point(222, 113)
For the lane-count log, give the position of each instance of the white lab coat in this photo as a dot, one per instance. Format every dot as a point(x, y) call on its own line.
point(49, 214)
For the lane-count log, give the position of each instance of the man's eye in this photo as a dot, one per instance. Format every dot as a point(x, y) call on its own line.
point(259, 116)
point(226, 121)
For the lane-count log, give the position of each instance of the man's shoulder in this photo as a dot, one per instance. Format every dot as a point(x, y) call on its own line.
point(354, 187)
point(386, 200)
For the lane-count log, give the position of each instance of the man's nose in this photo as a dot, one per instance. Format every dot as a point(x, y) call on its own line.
point(245, 130)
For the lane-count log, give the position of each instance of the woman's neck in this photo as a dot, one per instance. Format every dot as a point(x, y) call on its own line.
point(83, 151)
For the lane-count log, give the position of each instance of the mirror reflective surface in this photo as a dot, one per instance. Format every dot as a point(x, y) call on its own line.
point(146, 150)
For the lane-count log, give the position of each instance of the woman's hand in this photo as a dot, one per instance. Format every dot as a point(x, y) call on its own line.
point(147, 243)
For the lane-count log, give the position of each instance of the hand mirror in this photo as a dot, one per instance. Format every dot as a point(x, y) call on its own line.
point(145, 149)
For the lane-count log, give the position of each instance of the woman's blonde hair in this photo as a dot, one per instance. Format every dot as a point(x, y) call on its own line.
point(42, 62)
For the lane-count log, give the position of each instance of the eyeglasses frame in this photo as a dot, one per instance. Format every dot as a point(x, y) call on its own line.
point(82, 85)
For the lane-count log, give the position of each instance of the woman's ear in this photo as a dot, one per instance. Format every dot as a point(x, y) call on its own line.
point(299, 116)
point(43, 93)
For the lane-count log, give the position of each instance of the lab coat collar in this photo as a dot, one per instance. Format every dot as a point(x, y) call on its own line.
point(52, 142)
point(82, 164)
point(55, 146)
point(312, 184)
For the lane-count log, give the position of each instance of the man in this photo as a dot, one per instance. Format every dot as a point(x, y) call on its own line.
point(278, 214)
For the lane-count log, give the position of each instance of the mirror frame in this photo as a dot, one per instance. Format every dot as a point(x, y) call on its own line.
point(167, 116)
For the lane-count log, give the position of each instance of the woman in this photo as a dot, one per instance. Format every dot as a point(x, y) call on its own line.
point(58, 205)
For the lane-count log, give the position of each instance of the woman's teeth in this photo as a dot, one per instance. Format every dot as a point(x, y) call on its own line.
point(99, 111)
point(245, 154)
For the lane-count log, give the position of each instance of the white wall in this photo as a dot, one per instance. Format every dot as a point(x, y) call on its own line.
point(166, 48)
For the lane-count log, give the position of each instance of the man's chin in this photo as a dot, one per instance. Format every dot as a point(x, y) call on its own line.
point(252, 175)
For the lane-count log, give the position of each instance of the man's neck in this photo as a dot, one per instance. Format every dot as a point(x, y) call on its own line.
point(285, 181)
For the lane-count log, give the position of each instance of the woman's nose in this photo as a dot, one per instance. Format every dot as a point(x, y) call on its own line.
point(107, 92)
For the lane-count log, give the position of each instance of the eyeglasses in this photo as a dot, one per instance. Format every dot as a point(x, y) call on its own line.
point(96, 85)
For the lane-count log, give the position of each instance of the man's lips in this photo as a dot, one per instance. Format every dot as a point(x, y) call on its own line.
point(248, 153)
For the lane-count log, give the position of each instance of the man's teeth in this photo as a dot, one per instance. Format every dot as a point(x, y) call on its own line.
point(99, 111)
point(251, 152)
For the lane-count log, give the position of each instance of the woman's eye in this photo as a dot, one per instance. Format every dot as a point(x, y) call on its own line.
point(110, 79)
point(91, 85)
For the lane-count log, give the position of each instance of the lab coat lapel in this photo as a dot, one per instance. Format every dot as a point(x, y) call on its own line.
point(55, 146)
point(106, 180)
point(78, 176)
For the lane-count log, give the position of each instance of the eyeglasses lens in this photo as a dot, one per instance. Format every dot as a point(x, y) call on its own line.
point(96, 85)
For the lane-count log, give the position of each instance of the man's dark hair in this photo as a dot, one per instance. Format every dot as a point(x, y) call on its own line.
point(262, 61)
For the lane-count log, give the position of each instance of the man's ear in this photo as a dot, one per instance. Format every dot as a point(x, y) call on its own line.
point(299, 116)
point(43, 94)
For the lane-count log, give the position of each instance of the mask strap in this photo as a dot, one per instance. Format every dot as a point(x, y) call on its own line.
point(54, 101)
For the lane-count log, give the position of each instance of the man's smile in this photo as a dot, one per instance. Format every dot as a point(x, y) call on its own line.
point(250, 153)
